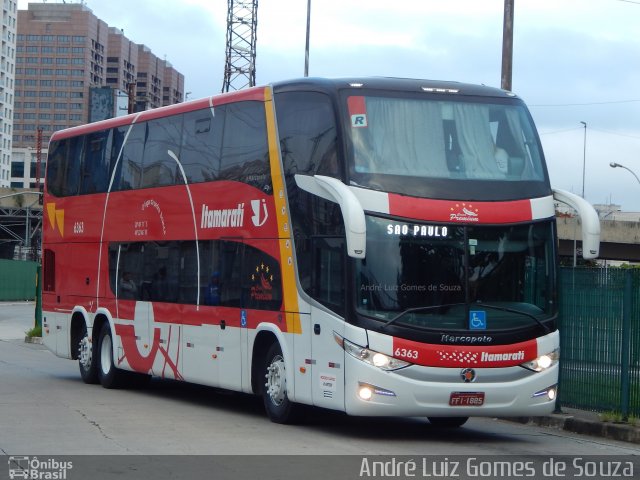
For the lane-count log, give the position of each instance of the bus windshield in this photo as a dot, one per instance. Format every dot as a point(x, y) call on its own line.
point(409, 144)
point(435, 276)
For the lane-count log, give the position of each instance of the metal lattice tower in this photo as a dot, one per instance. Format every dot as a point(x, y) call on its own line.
point(240, 64)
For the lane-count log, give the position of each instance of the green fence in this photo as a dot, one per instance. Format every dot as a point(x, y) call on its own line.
point(600, 339)
point(17, 280)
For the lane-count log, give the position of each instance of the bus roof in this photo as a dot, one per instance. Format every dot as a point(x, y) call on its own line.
point(388, 83)
point(310, 83)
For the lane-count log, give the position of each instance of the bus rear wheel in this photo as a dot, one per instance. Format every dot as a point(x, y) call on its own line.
point(87, 358)
point(448, 422)
point(274, 392)
point(109, 375)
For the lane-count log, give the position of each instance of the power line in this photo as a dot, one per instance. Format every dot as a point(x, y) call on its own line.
point(561, 131)
point(586, 103)
point(636, 137)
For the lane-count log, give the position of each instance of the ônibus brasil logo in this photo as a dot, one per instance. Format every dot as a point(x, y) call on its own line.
point(233, 217)
point(34, 468)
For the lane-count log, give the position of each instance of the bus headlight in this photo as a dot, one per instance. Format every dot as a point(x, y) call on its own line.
point(543, 361)
point(376, 359)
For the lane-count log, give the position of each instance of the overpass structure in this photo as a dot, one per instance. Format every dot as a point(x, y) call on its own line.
point(619, 239)
point(20, 223)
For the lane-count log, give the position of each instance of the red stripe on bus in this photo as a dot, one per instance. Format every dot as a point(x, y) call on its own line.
point(460, 211)
point(465, 356)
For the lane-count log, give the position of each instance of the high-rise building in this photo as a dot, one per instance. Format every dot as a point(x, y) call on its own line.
point(71, 69)
point(7, 81)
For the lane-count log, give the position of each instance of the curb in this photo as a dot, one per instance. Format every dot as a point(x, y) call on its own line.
point(35, 340)
point(571, 423)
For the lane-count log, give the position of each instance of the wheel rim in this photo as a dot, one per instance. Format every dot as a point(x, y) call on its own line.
point(85, 353)
point(105, 354)
point(276, 381)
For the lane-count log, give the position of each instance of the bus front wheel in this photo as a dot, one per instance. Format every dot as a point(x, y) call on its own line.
point(274, 392)
point(87, 358)
point(448, 422)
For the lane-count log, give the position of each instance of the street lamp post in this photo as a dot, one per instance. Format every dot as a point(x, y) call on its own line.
point(616, 165)
point(584, 156)
point(584, 169)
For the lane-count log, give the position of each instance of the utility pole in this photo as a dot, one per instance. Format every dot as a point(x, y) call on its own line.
point(306, 49)
point(507, 45)
point(131, 92)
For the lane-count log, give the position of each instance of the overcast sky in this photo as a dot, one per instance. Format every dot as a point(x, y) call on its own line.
point(574, 61)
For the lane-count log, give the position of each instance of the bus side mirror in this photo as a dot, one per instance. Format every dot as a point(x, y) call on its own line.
point(334, 190)
point(590, 222)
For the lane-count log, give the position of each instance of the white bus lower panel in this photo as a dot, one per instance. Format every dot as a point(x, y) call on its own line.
point(433, 392)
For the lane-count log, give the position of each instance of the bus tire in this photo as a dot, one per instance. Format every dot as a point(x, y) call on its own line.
point(448, 422)
point(110, 376)
point(87, 358)
point(274, 391)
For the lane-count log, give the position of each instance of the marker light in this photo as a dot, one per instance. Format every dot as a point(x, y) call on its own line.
point(543, 361)
point(366, 391)
point(376, 359)
point(549, 392)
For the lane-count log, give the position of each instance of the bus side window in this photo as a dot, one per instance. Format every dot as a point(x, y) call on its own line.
point(201, 144)
point(245, 151)
point(261, 280)
point(56, 166)
point(73, 165)
point(158, 167)
point(308, 138)
point(95, 167)
point(131, 158)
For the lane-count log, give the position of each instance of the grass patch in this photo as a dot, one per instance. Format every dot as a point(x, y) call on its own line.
point(34, 332)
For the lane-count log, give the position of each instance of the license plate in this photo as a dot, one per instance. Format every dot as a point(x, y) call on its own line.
point(466, 399)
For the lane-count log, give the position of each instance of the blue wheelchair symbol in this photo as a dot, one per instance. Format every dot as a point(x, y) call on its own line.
point(477, 320)
point(243, 318)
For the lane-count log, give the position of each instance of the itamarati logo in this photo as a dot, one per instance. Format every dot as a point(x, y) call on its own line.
point(464, 213)
point(35, 468)
point(222, 217)
point(233, 217)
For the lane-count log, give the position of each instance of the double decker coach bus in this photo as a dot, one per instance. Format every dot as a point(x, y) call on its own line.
point(374, 246)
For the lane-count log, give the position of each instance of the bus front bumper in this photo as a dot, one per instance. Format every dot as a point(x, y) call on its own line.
point(442, 392)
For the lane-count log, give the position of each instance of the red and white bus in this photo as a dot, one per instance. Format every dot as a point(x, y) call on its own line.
point(374, 246)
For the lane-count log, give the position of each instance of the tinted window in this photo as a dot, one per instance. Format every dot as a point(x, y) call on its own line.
point(55, 166)
point(162, 137)
point(245, 152)
point(231, 274)
point(307, 130)
point(95, 169)
point(201, 144)
point(308, 142)
point(131, 158)
point(63, 173)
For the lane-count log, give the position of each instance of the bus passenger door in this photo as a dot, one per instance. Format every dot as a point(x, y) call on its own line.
point(328, 260)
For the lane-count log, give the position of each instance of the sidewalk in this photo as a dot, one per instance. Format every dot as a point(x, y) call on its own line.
point(18, 317)
point(586, 423)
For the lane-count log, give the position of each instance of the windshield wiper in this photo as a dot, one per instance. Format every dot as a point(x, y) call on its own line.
point(471, 305)
point(513, 310)
point(419, 309)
